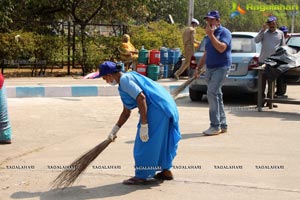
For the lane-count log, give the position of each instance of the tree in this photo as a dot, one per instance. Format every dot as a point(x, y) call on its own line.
point(6, 8)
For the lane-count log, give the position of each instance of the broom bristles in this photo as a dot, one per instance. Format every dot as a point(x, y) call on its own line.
point(68, 176)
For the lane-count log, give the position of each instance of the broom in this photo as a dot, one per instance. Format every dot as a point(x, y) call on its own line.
point(68, 176)
point(181, 87)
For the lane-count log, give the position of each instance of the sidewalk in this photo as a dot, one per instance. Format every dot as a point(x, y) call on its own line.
point(68, 87)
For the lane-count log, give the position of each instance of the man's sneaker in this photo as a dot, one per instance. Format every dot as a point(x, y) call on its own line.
point(223, 130)
point(212, 131)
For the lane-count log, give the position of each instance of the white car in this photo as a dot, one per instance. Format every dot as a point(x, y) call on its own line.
point(242, 77)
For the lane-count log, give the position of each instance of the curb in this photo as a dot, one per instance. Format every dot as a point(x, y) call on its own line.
point(68, 91)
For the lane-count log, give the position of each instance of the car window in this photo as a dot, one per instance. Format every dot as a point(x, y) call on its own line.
point(243, 45)
point(294, 41)
point(239, 44)
point(201, 47)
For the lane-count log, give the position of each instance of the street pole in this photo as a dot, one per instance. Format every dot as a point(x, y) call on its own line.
point(294, 13)
point(191, 11)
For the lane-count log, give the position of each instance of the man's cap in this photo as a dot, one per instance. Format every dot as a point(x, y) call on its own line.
point(108, 67)
point(214, 14)
point(271, 19)
point(284, 29)
point(195, 21)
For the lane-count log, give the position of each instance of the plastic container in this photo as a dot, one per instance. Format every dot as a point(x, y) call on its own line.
point(171, 71)
point(177, 54)
point(163, 55)
point(143, 56)
point(141, 68)
point(154, 57)
point(153, 72)
point(171, 56)
point(161, 71)
point(166, 71)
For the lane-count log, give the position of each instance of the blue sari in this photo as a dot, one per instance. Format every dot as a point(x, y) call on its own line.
point(162, 115)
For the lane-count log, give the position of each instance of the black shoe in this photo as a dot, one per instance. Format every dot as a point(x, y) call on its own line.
point(164, 175)
point(5, 141)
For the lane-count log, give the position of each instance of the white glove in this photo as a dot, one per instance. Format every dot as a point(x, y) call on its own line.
point(144, 133)
point(113, 133)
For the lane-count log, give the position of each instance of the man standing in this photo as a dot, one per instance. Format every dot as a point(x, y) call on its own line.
point(271, 38)
point(217, 57)
point(285, 31)
point(189, 49)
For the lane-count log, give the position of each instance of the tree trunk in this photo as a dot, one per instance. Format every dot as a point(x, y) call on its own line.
point(83, 46)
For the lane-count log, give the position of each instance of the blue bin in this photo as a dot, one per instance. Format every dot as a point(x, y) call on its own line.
point(166, 71)
point(163, 55)
point(177, 54)
point(171, 56)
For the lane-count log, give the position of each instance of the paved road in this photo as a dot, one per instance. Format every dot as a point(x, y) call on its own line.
point(258, 159)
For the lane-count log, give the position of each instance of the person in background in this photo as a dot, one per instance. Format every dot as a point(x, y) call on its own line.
point(5, 126)
point(271, 38)
point(158, 131)
point(285, 31)
point(189, 49)
point(217, 57)
point(128, 53)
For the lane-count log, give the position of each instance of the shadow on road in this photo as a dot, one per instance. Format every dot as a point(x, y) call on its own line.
point(242, 106)
point(82, 193)
point(242, 99)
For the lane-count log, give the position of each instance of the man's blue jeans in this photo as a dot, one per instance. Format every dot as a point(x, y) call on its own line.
point(215, 78)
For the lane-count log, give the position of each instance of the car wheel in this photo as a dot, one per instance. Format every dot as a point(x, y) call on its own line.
point(195, 95)
point(254, 98)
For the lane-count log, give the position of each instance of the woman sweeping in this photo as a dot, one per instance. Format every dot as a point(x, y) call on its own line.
point(158, 132)
point(5, 128)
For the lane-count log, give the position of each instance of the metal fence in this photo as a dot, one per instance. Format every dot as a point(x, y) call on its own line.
point(68, 32)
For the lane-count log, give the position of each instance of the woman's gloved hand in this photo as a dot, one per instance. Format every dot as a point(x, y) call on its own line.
point(144, 133)
point(113, 133)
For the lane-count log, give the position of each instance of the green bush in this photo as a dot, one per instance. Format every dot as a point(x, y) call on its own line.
point(160, 34)
point(53, 48)
point(29, 46)
point(156, 35)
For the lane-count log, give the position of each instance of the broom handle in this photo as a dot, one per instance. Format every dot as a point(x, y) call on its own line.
point(186, 83)
point(200, 72)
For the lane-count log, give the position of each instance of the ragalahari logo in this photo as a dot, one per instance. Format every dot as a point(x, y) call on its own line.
point(236, 10)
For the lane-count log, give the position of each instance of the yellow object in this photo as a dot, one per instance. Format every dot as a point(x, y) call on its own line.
point(196, 45)
point(127, 51)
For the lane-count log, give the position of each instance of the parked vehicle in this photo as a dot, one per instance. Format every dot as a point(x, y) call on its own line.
point(294, 42)
point(242, 77)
